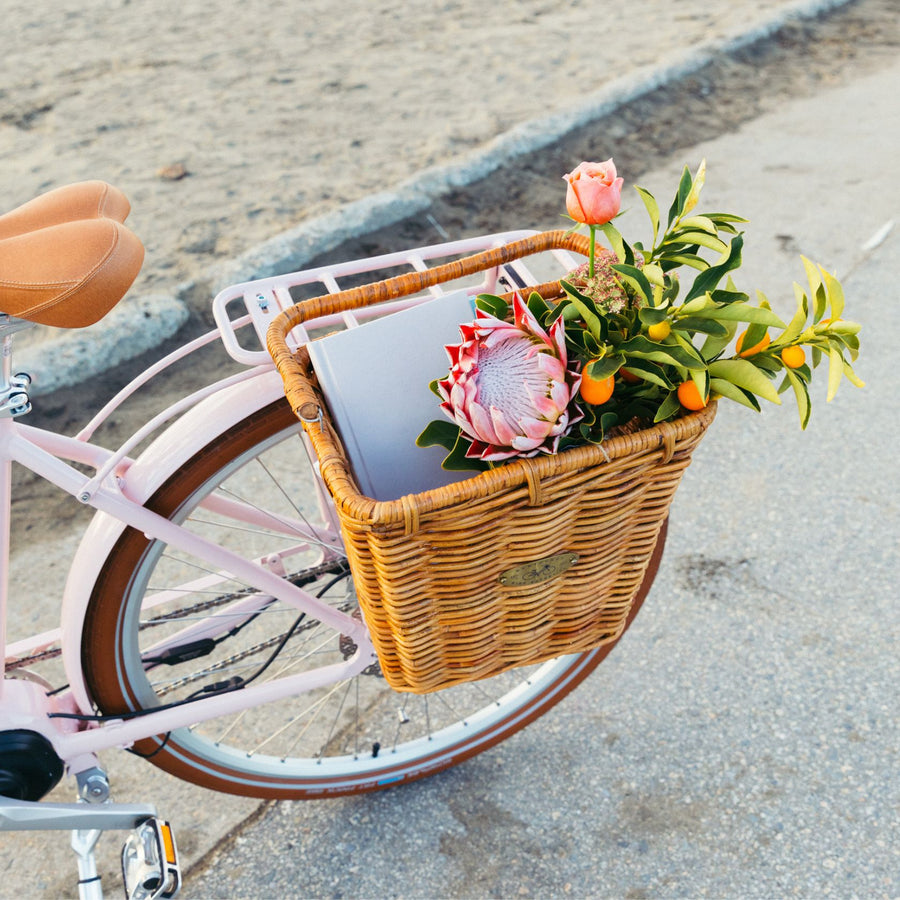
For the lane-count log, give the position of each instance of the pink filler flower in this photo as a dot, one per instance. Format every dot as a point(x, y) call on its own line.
point(510, 385)
point(594, 193)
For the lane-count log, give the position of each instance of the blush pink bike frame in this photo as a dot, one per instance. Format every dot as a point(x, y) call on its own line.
point(122, 485)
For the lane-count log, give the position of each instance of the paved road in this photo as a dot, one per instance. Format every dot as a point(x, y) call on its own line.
point(742, 740)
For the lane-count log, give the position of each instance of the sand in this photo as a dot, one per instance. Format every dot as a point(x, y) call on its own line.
point(277, 112)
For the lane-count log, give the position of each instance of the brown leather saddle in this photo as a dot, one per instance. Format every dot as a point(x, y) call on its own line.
point(66, 259)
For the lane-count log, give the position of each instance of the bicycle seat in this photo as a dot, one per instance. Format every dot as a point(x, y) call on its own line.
point(66, 259)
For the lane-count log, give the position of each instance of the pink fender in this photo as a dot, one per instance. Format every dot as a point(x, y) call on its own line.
point(171, 449)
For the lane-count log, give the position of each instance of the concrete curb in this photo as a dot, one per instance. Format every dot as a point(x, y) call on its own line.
point(309, 239)
point(71, 357)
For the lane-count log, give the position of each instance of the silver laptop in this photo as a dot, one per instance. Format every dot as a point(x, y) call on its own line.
point(375, 381)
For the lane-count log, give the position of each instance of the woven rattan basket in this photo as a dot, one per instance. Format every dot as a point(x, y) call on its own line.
point(532, 560)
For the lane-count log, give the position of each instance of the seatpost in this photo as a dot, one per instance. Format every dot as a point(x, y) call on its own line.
point(13, 388)
point(13, 402)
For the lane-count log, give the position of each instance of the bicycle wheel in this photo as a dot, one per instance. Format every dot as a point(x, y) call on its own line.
point(355, 736)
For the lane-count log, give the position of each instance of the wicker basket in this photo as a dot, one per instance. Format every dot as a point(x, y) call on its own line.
point(516, 565)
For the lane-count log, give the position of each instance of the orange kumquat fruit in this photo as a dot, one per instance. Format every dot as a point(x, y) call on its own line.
point(596, 391)
point(659, 331)
point(793, 357)
point(689, 396)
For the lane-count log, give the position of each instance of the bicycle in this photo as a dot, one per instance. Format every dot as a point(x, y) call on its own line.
point(209, 622)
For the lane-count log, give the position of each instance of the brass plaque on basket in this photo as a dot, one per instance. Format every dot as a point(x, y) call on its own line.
point(538, 570)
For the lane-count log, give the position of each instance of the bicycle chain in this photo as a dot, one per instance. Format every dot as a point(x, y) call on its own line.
point(201, 606)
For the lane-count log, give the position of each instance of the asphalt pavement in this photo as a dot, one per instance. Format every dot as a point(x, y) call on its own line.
point(742, 740)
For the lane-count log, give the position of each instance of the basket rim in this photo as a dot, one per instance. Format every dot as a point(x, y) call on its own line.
point(357, 506)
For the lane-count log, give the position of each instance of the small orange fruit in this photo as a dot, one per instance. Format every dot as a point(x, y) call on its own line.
point(630, 377)
point(689, 396)
point(660, 331)
point(596, 391)
point(756, 348)
point(793, 357)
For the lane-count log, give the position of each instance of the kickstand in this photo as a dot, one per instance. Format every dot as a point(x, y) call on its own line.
point(83, 843)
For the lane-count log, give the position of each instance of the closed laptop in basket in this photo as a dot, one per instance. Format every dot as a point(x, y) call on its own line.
point(375, 378)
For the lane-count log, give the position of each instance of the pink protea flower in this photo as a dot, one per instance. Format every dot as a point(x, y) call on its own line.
point(510, 385)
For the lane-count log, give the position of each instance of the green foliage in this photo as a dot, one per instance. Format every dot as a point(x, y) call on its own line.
point(695, 257)
point(608, 325)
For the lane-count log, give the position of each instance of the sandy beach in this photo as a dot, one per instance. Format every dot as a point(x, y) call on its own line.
point(226, 124)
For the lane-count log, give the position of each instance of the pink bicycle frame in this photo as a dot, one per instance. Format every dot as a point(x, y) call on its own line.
point(121, 486)
point(40, 451)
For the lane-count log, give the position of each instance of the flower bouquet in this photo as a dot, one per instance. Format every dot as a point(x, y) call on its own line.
point(631, 341)
point(581, 404)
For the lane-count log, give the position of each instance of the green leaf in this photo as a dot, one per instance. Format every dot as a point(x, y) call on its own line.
point(703, 223)
point(820, 303)
point(698, 304)
point(700, 238)
point(699, 324)
point(836, 293)
point(652, 209)
point(685, 259)
point(667, 354)
point(708, 280)
point(636, 278)
point(769, 363)
point(649, 372)
point(590, 345)
point(730, 296)
point(744, 374)
point(603, 368)
point(835, 371)
point(844, 327)
point(745, 312)
point(650, 315)
point(668, 408)
point(714, 345)
point(616, 241)
point(684, 190)
point(852, 377)
point(538, 306)
point(798, 323)
point(850, 341)
point(812, 274)
point(733, 392)
point(495, 306)
point(439, 433)
point(754, 335)
point(804, 406)
point(457, 461)
point(719, 218)
point(587, 310)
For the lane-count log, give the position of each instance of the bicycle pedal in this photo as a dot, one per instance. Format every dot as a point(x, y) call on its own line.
point(150, 862)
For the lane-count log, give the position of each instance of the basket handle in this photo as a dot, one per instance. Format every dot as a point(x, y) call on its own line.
point(302, 400)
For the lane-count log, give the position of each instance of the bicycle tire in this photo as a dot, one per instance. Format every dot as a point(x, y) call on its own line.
point(114, 666)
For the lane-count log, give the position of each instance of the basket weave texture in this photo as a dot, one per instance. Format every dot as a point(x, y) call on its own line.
point(534, 559)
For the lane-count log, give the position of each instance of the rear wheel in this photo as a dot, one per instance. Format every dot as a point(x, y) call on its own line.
point(162, 627)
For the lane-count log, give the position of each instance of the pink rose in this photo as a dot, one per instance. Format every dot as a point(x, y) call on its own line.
point(594, 193)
